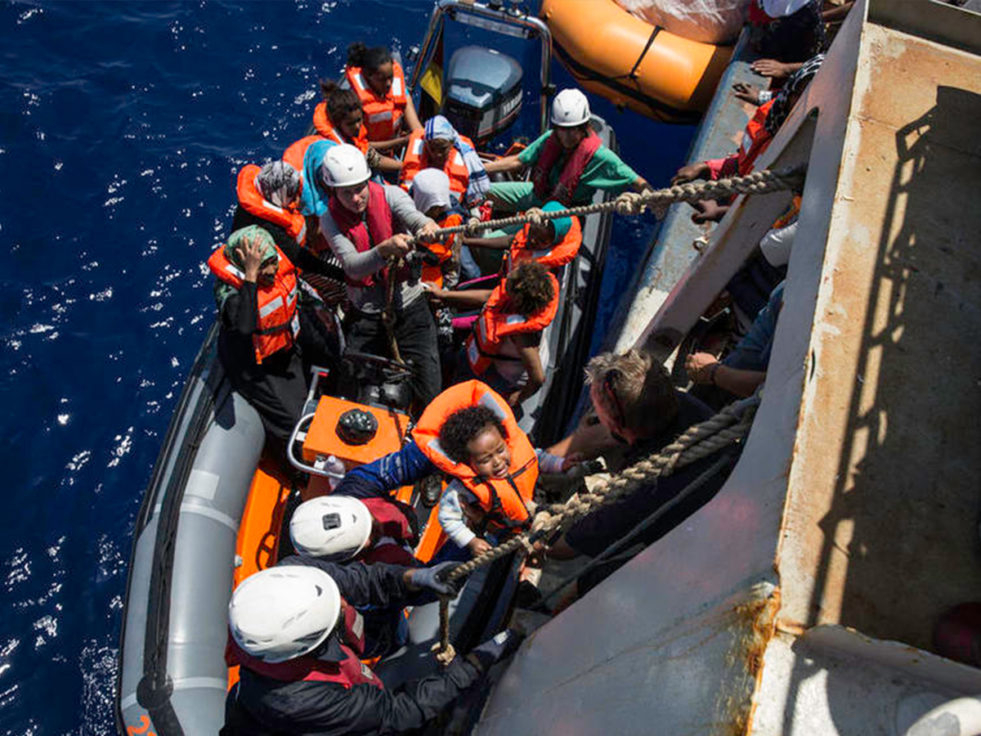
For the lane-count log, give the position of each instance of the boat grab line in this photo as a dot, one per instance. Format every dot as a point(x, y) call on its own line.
point(189, 507)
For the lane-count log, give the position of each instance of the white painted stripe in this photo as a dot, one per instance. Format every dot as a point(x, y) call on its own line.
point(200, 683)
point(202, 484)
point(128, 702)
point(271, 307)
point(192, 507)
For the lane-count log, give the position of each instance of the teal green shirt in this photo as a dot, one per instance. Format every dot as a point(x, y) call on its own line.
point(605, 170)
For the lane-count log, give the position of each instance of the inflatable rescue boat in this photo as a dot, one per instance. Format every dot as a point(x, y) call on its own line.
point(217, 508)
point(634, 64)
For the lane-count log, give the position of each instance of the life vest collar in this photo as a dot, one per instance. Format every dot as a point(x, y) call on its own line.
point(251, 199)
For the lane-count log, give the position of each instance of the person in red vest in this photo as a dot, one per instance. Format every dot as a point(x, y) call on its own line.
point(503, 347)
point(259, 342)
point(365, 226)
point(469, 434)
point(439, 146)
point(339, 117)
point(297, 637)
point(568, 163)
point(340, 528)
point(553, 243)
point(379, 82)
point(759, 132)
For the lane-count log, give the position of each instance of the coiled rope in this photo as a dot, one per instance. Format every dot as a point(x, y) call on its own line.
point(727, 427)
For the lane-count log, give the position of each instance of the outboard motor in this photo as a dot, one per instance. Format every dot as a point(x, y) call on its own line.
point(483, 92)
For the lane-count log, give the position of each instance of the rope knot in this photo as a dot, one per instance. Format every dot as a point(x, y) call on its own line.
point(473, 226)
point(629, 203)
point(536, 216)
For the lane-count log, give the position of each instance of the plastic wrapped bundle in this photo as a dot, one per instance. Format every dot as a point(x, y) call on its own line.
point(708, 21)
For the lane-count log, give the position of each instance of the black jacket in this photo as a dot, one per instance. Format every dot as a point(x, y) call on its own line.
point(261, 706)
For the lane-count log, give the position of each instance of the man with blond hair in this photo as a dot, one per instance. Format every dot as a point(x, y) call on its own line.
point(638, 406)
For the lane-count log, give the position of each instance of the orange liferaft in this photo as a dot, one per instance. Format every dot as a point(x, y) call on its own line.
point(632, 63)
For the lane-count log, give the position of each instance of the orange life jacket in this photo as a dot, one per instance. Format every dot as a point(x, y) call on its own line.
point(321, 121)
point(348, 672)
point(558, 255)
point(251, 200)
point(789, 215)
point(279, 324)
point(443, 251)
point(295, 154)
point(381, 114)
point(415, 161)
point(496, 323)
point(756, 139)
point(505, 500)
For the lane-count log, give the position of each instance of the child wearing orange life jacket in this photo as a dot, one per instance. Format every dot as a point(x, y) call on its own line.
point(469, 434)
point(379, 82)
point(552, 243)
point(502, 349)
point(339, 118)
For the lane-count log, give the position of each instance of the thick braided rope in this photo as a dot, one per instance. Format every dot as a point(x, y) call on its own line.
point(633, 203)
point(699, 441)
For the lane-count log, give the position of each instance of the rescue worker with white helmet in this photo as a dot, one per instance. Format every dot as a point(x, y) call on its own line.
point(339, 528)
point(366, 225)
point(342, 529)
point(297, 638)
point(568, 162)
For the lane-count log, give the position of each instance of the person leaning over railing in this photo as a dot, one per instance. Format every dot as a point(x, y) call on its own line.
point(638, 408)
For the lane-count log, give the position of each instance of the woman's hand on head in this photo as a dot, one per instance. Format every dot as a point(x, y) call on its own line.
point(251, 253)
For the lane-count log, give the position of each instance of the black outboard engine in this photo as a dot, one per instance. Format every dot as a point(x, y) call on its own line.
point(483, 92)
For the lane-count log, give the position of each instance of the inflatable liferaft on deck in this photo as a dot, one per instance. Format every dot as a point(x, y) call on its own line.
point(632, 63)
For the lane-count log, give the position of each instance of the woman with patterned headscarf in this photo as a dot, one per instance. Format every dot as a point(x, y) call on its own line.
point(439, 146)
point(270, 198)
point(257, 294)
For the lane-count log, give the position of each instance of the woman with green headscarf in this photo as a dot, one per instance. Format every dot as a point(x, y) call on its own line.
point(258, 303)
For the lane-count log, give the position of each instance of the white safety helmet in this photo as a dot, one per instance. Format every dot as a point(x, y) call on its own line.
point(344, 166)
point(333, 527)
point(284, 612)
point(570, 108)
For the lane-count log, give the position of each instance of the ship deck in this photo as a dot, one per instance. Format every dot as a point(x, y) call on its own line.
point(803, 598)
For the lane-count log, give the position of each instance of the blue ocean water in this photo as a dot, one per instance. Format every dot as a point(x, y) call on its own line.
point(122, 126)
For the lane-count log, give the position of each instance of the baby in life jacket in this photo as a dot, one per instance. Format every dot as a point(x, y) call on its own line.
point(469, 435)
